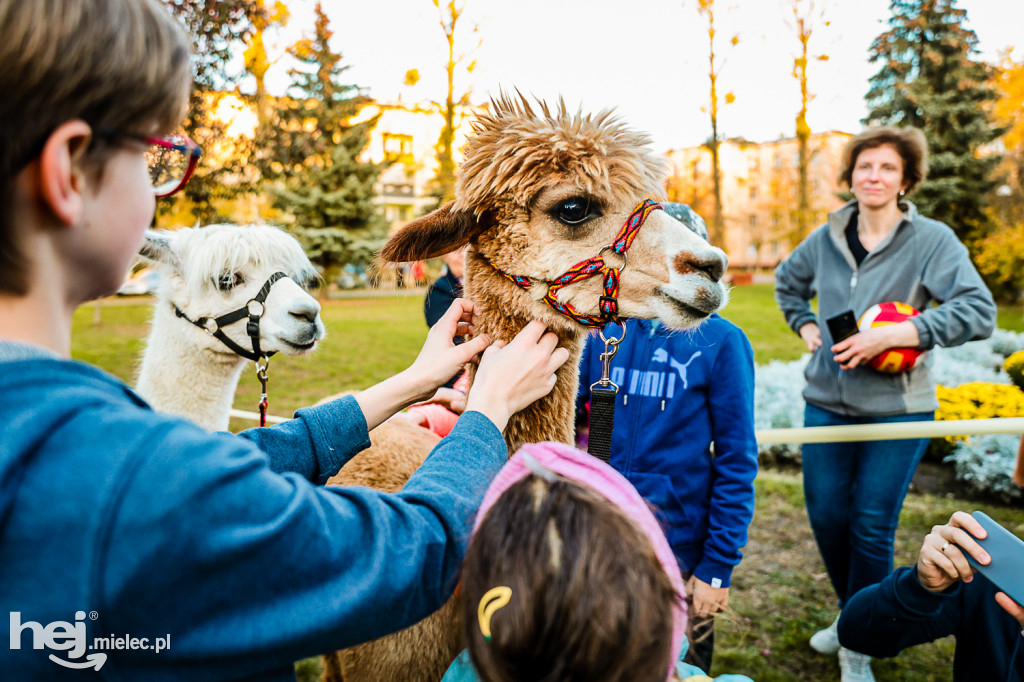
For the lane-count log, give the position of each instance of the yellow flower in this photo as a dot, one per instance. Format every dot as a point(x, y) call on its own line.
point(979, 400)
point(1014, 366)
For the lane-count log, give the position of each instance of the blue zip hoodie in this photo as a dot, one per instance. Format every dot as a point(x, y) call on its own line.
point(679, 392)
point(116, 521)
point(884, 619)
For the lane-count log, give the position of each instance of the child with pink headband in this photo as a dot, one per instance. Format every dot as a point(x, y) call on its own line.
point(569, 576)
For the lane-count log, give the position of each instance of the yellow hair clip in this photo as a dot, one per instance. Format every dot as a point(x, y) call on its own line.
point(493, 599)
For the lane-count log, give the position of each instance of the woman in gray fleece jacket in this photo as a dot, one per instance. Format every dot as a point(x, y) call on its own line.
point(874, 249)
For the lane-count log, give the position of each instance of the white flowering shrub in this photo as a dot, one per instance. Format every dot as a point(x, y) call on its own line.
point(974, 361)
point(1005, 342)
point(984, 464)
point(779, 403)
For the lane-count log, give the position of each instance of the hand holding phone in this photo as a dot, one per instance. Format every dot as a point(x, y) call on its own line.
point(842, 326)
point(1006, 570)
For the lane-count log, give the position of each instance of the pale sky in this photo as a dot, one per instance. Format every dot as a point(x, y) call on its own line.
point(645, 58)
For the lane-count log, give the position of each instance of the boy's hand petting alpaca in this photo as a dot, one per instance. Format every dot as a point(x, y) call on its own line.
point(440, 359)
point(513, 375)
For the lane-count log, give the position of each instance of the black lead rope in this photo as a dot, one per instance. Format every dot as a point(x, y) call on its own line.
point(602, 402)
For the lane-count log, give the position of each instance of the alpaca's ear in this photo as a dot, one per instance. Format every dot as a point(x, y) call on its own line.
point(157, 249)
point(435, 234)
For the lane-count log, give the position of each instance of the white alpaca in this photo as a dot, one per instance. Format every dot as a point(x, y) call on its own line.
point(208, 272)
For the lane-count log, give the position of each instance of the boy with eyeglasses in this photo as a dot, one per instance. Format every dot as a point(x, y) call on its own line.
point(120, 527)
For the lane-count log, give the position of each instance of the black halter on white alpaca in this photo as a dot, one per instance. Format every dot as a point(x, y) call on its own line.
point(253, 309)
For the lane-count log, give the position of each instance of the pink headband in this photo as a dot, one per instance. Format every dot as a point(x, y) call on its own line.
point(609, 483)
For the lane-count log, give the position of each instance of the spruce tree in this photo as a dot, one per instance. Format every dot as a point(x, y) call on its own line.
point(931, 78)
point(322, 185)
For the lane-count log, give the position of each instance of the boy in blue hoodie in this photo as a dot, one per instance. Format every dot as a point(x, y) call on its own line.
point(137, 545)
point(679, 393)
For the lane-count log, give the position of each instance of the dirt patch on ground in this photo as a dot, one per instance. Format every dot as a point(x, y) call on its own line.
point(935, 479)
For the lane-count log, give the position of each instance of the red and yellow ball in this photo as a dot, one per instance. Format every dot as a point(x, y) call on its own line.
point(893, 360)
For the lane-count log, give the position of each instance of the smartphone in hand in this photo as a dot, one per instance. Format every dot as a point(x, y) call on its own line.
point(842, 326)
point(1006, 570)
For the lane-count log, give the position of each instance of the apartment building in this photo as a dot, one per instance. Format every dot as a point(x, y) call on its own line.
point(404, 139)
point(759, 184)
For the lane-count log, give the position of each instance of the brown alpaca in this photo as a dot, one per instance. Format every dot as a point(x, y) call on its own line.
point(538, 192)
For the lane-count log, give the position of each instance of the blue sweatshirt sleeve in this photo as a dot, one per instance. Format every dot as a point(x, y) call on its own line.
point(734, 467)
point(250, 568)
point(884, 619)
point(317, 442)
point(794, 283)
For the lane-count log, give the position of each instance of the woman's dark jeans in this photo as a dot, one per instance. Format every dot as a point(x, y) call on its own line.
point(854, 494)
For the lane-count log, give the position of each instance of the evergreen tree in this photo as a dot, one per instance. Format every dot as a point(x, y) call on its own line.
point(322, 185)
point(931, 78)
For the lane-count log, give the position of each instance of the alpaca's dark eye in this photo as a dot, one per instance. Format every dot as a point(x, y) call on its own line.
point(574, 211)
point(229, 280)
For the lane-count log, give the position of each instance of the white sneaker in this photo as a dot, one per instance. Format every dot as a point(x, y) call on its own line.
point(855, 667)
point(826, 641)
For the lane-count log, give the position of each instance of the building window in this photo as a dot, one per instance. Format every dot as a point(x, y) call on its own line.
point(753, 220)
point(754, 164)
point(397, 148)
point(776, 219)
point(777, 160)
point(398, 189)
point(775, 248)
point(753, 191)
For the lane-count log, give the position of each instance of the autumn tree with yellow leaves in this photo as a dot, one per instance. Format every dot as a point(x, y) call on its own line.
point(1000, 256)
point(706, 9)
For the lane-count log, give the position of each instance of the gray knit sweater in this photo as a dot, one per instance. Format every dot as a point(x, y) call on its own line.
point(921, 263)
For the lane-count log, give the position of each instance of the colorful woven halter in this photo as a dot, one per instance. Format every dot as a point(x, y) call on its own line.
point(609, 305)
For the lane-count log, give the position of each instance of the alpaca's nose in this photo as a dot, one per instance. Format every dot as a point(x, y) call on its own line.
point(306, 313)
point(711, 263)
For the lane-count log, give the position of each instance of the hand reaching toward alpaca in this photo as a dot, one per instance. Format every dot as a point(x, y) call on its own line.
point(438, 361)
point(513, 375)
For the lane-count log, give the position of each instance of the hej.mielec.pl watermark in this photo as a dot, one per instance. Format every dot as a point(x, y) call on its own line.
point(71, 638)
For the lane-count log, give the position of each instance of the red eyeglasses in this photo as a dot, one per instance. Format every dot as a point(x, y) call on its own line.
point(171, 160)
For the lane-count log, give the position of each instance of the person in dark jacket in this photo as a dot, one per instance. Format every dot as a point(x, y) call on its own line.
point(679, 393)
point(443, 291)
point(942, 595)
point(445, 288)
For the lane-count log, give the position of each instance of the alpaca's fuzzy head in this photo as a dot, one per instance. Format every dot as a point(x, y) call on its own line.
point(543, 189)
point(213, 270)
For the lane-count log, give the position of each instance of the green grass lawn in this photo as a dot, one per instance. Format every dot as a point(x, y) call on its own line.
point(753, 309)
point(780, 593)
